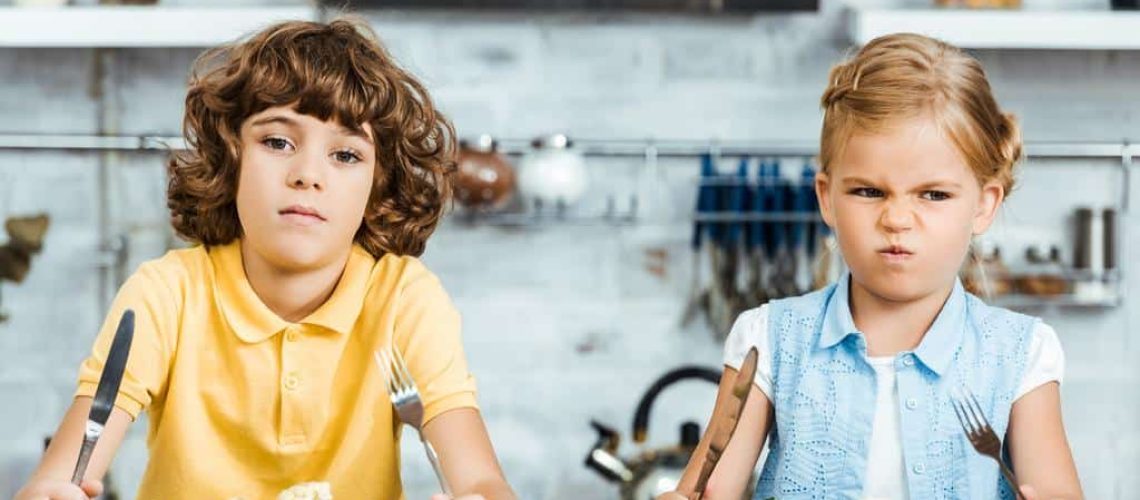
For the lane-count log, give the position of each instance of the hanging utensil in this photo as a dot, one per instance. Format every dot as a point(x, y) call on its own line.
point(706, 203)
point(802, 209)
point(728, 304)
point(776, 232)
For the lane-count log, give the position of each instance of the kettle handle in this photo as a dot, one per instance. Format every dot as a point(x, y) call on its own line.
point(641, 416)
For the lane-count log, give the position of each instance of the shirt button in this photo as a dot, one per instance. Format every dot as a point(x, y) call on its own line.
point(291, 336)
point(911, 403)
point(291, 382)
point(919, 469)
point(908, 360)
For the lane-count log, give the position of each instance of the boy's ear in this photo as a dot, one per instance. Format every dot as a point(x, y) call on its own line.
point(991, 197)
point(822, 183)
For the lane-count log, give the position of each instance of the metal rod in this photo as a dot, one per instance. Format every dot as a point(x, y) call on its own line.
point(683, 148)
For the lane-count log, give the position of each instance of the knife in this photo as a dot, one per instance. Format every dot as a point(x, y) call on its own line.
point(722, 425)
point(107, 391)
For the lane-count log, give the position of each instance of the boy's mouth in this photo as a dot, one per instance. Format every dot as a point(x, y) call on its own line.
point(302, 212)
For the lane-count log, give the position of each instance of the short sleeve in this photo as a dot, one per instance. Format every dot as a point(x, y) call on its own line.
point(1046, 360)
point(751, 330)
point(427, 331)
point(150, 295)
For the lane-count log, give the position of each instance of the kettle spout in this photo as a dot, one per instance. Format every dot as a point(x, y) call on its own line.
point(602, 457)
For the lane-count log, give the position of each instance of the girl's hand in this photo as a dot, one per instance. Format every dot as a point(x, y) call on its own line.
point(1029, 493)
point(58, 489)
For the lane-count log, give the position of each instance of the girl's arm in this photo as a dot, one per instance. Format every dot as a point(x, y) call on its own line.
point(53, 476)
point(1038, 447)
point(466, 456)
point(733, 471)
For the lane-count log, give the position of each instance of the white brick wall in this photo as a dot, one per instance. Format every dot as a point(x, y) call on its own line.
point(562, 324)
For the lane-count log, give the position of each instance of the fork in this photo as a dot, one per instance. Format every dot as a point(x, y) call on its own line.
point(406, 398)
point(981, 435)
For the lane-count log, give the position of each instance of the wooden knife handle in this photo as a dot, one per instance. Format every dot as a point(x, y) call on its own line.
point(722, 425)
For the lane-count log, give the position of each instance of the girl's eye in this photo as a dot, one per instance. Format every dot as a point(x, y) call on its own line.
point(867, 192)
point(276, 143)
point(936, 195)
point(347, 157)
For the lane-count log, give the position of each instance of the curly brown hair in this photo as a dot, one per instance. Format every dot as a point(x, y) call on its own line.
point(332, 71)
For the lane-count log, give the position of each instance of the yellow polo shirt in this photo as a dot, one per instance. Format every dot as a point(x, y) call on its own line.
point(245, 404)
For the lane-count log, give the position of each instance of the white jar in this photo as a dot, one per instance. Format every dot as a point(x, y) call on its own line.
point(552, 174)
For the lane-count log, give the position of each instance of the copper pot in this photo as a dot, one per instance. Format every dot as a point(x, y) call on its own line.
point(485, 179)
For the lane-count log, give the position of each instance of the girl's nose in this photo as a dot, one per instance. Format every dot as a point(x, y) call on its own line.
point(897, 216)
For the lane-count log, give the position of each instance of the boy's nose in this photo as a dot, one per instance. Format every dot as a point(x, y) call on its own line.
point(305, 175)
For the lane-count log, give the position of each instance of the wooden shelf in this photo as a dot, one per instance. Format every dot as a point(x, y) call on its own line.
point(1006, 29)
point(136, 26)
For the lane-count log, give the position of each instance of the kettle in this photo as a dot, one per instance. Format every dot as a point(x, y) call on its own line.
point(654, 471)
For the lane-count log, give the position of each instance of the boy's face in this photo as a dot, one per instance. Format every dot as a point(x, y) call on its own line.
point(904, 205)
point(303, 187)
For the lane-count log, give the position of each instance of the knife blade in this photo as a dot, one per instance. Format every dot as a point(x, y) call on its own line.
point(722, 425)
point(106, 392)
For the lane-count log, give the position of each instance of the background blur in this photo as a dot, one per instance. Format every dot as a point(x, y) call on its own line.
point(573, 288)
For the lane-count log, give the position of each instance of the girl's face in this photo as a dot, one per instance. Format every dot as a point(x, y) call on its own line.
point(303, 187)
point(904, 205)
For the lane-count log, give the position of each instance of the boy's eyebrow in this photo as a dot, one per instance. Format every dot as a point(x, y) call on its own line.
point(284, 120)
point(342, 130)
point(289, 122)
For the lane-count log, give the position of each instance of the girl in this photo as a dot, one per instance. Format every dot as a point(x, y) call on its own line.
point(855, 383)
point(315, 173)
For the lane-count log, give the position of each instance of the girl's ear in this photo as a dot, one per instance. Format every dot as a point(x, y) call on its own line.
point(991, 197)
point(822, 183)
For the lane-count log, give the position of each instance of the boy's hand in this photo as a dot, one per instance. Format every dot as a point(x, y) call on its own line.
point(57, 489)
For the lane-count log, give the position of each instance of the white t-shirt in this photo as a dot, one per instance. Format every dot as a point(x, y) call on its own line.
point(886, 471)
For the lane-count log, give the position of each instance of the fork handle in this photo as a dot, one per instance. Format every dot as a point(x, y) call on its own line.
point(1008, 474)
point(434, 459)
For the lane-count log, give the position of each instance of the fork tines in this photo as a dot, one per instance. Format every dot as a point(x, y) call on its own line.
point(970, 413)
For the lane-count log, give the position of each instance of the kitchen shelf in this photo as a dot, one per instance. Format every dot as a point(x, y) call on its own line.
point(1005, 29)
point(1022, 301)
point(136, 26)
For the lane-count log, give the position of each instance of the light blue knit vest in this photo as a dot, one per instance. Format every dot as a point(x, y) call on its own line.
point(824, 397)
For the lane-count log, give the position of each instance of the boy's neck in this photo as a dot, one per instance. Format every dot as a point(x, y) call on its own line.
point(292, 295)
point(892, 326)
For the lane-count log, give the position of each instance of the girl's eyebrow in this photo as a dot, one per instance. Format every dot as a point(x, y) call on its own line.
point(942, 183)
point(857, 181)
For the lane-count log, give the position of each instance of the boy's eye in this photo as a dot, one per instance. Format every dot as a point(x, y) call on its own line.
point(867, 192)
point(275, 143)
point(936, 195)
point(347, 157)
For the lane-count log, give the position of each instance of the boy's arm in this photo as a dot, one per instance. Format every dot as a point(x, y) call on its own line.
point(1038, 447)
point(58, 463)
point(465, 454)
point(733, 471)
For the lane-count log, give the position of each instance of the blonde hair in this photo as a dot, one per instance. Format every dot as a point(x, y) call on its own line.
point(902, 76)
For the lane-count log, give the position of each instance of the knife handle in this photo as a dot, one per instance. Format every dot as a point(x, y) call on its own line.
point(84, 457)
point(90, 437)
